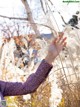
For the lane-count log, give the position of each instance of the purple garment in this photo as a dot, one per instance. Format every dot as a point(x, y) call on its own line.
point(31, 84)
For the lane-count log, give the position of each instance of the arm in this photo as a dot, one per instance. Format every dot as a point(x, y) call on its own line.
point(31, 84)
point(34, 80)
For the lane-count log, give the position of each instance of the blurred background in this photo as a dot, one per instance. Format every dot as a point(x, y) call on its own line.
point(27, 27)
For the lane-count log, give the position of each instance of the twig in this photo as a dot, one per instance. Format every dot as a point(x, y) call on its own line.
point(17, 18)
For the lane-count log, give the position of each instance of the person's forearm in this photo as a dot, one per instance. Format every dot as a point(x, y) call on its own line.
point(32, 83)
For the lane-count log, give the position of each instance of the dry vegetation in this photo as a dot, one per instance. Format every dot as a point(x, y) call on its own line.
point(20, 56)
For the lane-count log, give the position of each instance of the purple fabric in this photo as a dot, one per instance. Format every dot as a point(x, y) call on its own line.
point(31, 84)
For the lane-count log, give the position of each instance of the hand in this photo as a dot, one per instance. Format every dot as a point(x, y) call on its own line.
point(55, 48)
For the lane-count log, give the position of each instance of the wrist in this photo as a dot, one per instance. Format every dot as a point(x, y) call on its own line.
point(49, 60)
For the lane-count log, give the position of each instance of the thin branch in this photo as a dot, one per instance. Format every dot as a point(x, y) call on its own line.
point(30, 17)
point(42, 6)
point(17, 18)
point(50, 2)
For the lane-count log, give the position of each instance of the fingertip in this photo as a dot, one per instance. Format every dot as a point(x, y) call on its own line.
point(64, 45)
point(54, 41)
point(61, 33)
point(65, 37)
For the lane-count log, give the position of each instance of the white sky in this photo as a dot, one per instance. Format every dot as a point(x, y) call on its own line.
point(10, 3)
point(15, 8)
point(10, 7)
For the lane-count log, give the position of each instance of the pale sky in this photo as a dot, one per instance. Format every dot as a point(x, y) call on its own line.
point(6, 6)
point(15, 8)
point(10, 3)
point(10, 7)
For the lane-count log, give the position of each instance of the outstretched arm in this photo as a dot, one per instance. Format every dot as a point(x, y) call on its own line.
point(31, 84)
point(34, 80)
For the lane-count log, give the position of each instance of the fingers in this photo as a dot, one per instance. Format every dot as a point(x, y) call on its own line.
point(54, 41)
point(59, 40)
point(64, 45)
point(63, 40)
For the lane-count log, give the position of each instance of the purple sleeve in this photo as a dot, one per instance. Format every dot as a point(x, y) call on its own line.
point(31, 84)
